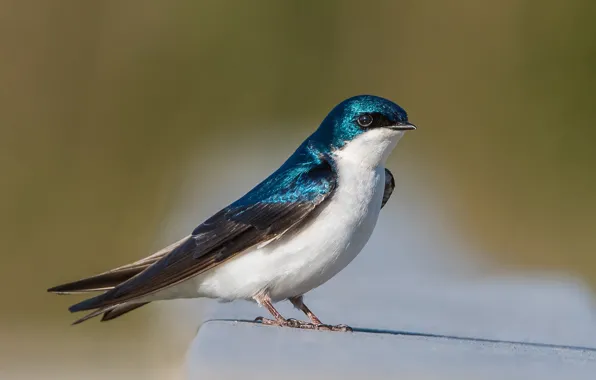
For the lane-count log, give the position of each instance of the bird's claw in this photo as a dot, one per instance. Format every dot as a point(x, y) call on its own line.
point(267, 321)
point(338, 328)
point(297, 324)
point(342, 328)
point(291, 322)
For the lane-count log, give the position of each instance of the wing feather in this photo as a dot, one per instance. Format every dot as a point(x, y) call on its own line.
point(228, 233)
point(389, 186)
point(110, 279)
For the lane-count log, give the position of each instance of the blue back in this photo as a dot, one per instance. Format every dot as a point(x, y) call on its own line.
point(308, 174)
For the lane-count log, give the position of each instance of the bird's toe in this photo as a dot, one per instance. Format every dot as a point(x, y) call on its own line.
point(342, 328)
point(267, 321)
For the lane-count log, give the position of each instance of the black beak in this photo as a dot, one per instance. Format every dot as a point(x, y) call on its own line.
point(403, 126)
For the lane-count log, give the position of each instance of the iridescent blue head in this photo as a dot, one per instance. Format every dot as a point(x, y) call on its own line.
point(356, 136)
point(360, 115)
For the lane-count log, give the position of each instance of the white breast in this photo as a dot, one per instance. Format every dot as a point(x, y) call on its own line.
point(295, 264)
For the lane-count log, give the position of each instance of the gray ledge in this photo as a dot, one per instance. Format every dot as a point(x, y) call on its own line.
point(246, 350)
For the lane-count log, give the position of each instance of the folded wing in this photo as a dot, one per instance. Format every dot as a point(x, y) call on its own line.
point(283, 202)
point(389, 186)
point(112, 278)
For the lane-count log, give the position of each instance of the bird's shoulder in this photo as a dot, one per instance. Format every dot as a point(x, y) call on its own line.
point(306, 175)
point(305, 180)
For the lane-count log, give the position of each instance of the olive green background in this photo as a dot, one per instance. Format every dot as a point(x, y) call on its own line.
point(109, 109)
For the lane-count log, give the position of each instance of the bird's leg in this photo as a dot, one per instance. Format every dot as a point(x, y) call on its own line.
point(264, 300)
point(298, 303)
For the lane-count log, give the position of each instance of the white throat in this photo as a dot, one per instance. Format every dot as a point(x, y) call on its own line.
point(371, 148)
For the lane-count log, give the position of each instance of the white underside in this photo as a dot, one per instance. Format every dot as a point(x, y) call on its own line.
point(301, 261)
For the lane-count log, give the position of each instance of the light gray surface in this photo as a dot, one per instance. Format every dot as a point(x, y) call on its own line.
point(255, 351)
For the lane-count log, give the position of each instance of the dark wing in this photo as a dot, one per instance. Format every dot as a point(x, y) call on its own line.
point(231, 231)
point(119, 310)
point(389, 186)
point(108, 280)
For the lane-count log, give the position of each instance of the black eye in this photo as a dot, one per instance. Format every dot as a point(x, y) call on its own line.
point(365, 120)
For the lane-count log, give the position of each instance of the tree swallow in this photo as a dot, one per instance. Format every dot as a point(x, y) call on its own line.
point(288, 235)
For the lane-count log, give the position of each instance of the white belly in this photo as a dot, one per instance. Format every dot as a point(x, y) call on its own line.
point(299, 262)
point(305, 259)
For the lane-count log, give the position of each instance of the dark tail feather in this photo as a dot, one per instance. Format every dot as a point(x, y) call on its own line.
point(104, 281)
point(114, 277)
point(110, 312)
point(91, 315)
point(108, 281)
point(91, 303)
point(121, 310)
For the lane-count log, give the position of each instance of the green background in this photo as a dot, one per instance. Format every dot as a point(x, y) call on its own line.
point(109, 108)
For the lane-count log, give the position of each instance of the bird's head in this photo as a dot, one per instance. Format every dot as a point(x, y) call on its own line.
point(365, 128)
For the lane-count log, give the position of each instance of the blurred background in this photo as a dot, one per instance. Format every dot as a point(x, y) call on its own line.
point(124, 124)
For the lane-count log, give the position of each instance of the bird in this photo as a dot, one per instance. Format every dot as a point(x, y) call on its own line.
point(289, 234)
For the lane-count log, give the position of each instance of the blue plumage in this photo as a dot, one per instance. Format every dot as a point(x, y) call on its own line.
point(340, 124)
point(289, 183)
